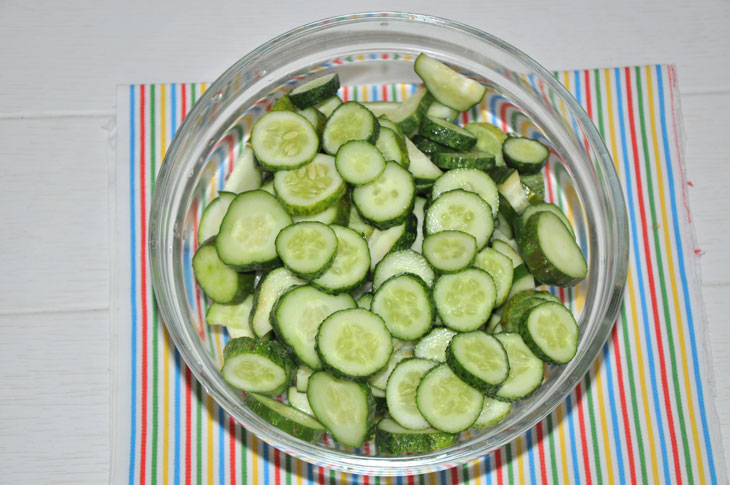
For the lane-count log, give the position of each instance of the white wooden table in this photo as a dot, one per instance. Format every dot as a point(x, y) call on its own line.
point(59, 65)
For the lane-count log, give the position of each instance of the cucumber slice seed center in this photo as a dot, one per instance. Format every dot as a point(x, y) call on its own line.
point(309, 181)
point(465, 297)
point(357, 344)
point(446, 400)
point(253, 230)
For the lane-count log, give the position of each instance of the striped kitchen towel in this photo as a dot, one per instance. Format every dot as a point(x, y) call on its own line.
point(644, 413)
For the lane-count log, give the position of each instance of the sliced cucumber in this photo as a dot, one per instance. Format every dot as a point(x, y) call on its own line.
point(446, 133)
point(493, 411)
point(234, 317)
point(520, 223)
point(506, 249)
point(302, 378)
point(404, 302)
point(550, 251)
point(459, 210)
point(354, 343)
point(350, 121)
point(359, 162)
point(489, 139)
point(270, 288)
point(422, 168)
point(464, 300)
point(220, 282)
point(299, 313)
point(429, 147)
point(526, 155)
point(315, 117)
point(450, 88)
point(315, 91)
point(550, 330)
point(350, 266)
point(380, 380)
point(450, 251)
point(257, 365)
point(337, 213)
point(328, 106)
point(438, 110)
point(399, 262)
point(357, 224)
point(449, 160)
point(499, 268)
point(345, 408)
point(307, 249)
point(447, 402)
point(298, 400)
point(471, 180)
point(512, 190)
point(398, 237)
point(291, 420)
point(519, 304)
point(410, 112)
point(245, 175)
point(522, 280)
point(283, 104)
point(387, 201)
point(380, 108)
point(392, 145)
point(390, 437)
point(478, 359)
point(365, 300)
point(249, 229)
point(311, 188)
point(283, 140)
point(400, 393)
point(433, 346)
point(525, 369)
point(419, 210)
point(536, 183)
point(379, 396)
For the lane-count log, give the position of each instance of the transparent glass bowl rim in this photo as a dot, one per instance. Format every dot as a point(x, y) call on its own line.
point(397, 465)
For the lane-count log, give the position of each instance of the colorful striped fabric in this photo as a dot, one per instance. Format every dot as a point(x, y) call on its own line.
point(643, 414)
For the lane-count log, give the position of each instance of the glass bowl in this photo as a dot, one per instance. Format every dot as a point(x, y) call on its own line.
point(373, 54)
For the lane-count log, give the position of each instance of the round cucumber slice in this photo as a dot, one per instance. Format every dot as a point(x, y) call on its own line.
point(404, 303)
point(447, 402)
point(354, 343)
point(246, 240)
point(307, 249)
point(478, 359)
point(310, 189)
point(359, 162)
point(550, 330)
point(450, 251)
point(464, 300)
point(256, 365)
point(388, 200)
point(284, 140)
